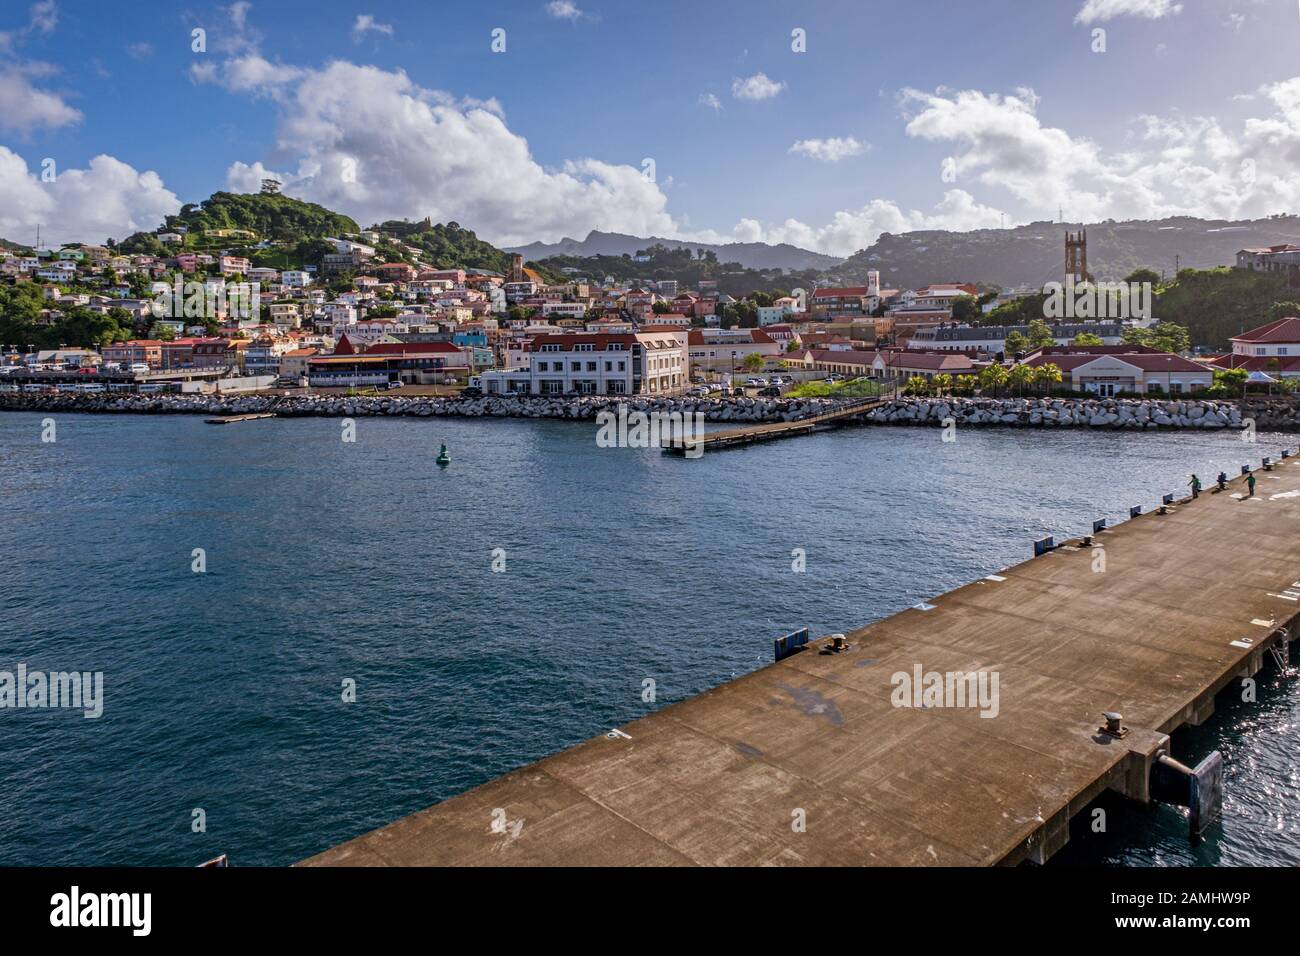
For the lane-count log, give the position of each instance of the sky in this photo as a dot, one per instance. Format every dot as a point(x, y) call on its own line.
point(821, 123)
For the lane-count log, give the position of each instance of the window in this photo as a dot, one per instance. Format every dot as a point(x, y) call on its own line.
point(622, 366)
point(541, 366)
point(591, 366)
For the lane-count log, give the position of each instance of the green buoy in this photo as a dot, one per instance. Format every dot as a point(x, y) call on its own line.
point(444, 459)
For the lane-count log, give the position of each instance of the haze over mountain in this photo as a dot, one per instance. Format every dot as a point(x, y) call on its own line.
point(752, 255)
point(1033, 254)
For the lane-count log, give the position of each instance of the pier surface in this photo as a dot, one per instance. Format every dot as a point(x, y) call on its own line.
point(752, 434)
point(1187, 604)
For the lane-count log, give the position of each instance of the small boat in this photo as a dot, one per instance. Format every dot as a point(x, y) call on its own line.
point(444, 459)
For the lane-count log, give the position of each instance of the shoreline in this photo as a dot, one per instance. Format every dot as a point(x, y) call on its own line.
point(1115, 414)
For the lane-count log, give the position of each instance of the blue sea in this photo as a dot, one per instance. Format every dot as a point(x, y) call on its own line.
point(330, 562)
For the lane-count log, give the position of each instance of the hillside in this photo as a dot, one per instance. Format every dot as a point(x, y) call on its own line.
point(1033, 254)
point(1215, 304)
point(750, 255)
point(445, 246)
point(682, 264)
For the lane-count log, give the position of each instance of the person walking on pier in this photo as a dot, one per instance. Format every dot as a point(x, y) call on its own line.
point(1196, 486)
point(1222, 480)
point(1250, 483)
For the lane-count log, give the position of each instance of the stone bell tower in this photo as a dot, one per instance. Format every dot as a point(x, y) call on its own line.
point(1076, 256)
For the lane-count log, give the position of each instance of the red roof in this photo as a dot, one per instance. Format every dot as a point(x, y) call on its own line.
point(1147, 361)
point(602, 340)
point(1258, 363)
point(407, 348)
point(846, 291)
point(1283, 330)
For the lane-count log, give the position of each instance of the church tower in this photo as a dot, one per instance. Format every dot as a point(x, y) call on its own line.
point(1076, 256)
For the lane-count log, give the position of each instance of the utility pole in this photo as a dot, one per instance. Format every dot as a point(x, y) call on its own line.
point(1177, 259)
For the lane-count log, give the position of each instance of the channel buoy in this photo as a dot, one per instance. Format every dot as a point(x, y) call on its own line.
point(444, 459)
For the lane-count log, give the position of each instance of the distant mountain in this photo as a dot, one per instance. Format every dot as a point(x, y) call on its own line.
point(751, 255)
point(1033, 254)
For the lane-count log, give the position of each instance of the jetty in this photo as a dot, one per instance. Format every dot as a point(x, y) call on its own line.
point(232, 419)
point(1102, 647)
point(849, 413)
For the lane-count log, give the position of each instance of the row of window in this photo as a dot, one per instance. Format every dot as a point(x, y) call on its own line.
point(577, 366)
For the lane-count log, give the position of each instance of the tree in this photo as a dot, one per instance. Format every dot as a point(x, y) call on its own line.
point(1143, 275)
point(1163, 336)
point(1016, 343)
point(1019, 377)
point(916, 385)
point(942, 383)
point(1283, 310)
point(1047, 375)
point(1040, 336)
point(1087, 338)
point(993, 378)
point(966, 309)
point(753, 362)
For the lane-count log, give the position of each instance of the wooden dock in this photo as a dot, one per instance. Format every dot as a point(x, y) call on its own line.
point(809, 762)
point(752, 434)
point(232, 419)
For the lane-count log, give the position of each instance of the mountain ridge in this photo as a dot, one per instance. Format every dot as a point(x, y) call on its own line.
point(752, 255)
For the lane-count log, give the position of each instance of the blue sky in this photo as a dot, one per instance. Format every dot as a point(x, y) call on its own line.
point(403, 109)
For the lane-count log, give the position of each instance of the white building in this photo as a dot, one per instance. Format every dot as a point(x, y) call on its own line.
point(600, 363)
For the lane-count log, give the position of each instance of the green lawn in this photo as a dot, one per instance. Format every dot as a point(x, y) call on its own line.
point(856, 388)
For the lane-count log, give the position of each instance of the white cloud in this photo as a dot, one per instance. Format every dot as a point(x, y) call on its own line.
point(1099, 11)
point(365, 23)
point(711, 101)
point(108, 199)
point(44, 16)
point(1179, 165)
point(830, 150)
point(756, 87)
point(140, 51)
point(375, 145)
point(24, 108)
point(854, 229)
point(564, 10)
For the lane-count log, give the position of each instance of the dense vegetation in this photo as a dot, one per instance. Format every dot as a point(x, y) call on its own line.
point(445, 246)
point(688, 267)
point(20, 309)
point(1216, 304)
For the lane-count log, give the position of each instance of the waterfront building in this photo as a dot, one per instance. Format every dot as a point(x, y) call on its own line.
point(599, 363)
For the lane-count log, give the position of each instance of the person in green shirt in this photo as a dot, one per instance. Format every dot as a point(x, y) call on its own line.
point(1196, 486)
point(1250, 483)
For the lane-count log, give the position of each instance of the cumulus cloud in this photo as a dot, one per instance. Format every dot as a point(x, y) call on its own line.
point(1181, 165)
point(107, 199)
point(1099, 11)
point(829, 150)
point(756, 87)
point(365, 23)
point(24, 108)
point(854, 229)
point(374, 144)
point(711, 101)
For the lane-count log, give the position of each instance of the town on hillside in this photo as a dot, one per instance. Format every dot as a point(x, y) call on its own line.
point(205, 319)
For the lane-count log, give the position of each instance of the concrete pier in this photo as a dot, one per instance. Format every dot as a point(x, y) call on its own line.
point(809, 761)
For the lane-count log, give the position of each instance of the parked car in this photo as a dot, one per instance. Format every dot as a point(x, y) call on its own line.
point(394, 384)
point(755, 382)
point(738, 391)
point(699, 391)
point(772, 391)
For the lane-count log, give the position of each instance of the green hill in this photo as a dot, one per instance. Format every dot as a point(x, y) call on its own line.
point(1215, 304)
point(1033, 254)
point(444, 246)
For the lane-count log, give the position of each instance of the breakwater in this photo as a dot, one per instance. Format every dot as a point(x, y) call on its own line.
point(993, 412)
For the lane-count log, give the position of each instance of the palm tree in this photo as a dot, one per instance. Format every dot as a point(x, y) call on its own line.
point(942, 383)
point(1019, 377)
point(1047, 375)
point(993, 378)
point(917, 385)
